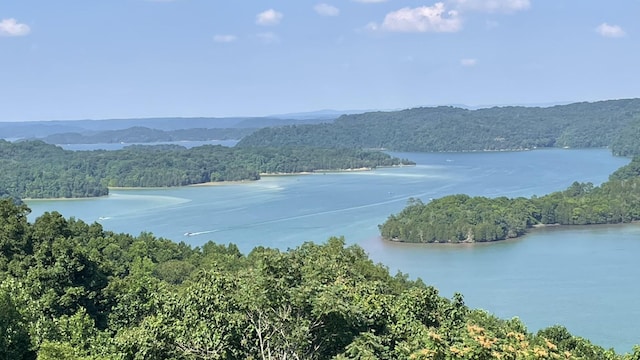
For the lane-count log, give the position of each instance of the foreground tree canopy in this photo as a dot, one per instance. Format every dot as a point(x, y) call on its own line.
point(71, 290)
point(461, 218)
point(613, 123)
point(33, 169)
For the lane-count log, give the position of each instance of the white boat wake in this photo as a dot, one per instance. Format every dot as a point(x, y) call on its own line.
point(199, 233)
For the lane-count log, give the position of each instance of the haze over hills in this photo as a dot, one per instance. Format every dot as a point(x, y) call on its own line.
point(42, 128)
point(319, 114)
point(92, 128)
point(611, 123)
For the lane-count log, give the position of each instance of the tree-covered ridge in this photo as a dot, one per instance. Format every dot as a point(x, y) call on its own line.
point(71, 290)
point(597, 124)
point(33, 169)
point(461, 218)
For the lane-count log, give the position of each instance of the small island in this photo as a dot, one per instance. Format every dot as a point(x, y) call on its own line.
point(465, 219)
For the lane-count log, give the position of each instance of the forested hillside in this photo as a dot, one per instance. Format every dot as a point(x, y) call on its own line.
point(461, 218)
point(33, 169)
point(578, 125)
point(73, 291)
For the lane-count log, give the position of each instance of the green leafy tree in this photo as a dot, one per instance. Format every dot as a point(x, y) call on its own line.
point(14, 337)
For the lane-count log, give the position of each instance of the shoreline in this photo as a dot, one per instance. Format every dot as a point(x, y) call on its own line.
point(65, 198)
point(531, 230)
point(215, 183)
point(320, 171)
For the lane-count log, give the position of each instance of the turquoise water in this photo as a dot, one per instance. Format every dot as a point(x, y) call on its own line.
point(580, 277)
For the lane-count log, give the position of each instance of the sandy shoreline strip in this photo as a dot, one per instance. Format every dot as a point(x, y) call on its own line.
point(316, 172)
point(221, 183)
point(210, 183)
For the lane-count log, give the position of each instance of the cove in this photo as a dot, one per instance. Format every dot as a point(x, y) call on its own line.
point(580, 277)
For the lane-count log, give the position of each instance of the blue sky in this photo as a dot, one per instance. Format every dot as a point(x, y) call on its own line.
point(83, 59)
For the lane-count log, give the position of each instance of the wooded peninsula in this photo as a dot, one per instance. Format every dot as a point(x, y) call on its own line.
point(461, 218)
point(33, 169)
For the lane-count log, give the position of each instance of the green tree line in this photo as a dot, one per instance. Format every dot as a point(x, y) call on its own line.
point(613, 123)
point(33, 169)
point(461, 218)
point(73, 291)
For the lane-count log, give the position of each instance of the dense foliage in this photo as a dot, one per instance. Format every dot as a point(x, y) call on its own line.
point(71, 290)
point(461, 218)
point(628, 141)
point(597, 124)
point(33, 169)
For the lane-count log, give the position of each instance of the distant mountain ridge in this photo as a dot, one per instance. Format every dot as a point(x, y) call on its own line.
point(329, 114)
point(42, 129)
point(611, 123)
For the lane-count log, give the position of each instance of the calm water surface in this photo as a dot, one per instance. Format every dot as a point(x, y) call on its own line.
point(580, 277)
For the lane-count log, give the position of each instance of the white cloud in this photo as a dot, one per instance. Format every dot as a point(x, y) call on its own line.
point(326, 10)
point(607, 30)
point(492, 6)
point(370, 1)
point(269, 17)
point(468, 62)
point(224, 38)
point(11, 27)
point(268, 38)
point(423, 19)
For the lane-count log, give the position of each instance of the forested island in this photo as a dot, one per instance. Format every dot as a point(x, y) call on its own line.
point(73, 291)
point(34, 169)
point(461, 218)
point(612, 123)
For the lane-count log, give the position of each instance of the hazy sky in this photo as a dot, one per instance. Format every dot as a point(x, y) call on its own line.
point(92, 59)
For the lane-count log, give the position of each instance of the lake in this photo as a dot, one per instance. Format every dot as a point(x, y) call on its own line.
point(584, 278)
